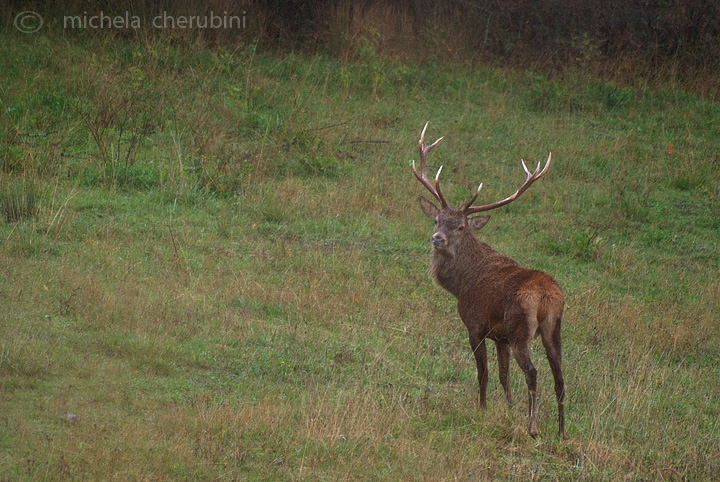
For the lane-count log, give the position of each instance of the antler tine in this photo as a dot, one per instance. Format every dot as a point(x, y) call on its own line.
point(547, 164)
point(472, 200)
point(422, 177)
point(531, 178)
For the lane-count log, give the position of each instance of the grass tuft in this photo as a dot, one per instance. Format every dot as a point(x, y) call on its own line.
point(20, 199)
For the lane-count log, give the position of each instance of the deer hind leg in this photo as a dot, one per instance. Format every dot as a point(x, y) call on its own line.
point(477, 343)
point(503, 353)
point(553, 348)
point(521, 350)
point(522, 326)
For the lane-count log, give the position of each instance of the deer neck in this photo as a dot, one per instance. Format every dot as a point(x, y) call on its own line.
point(461, 269)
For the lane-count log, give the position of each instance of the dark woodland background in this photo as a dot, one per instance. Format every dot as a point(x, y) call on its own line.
point(672, 41)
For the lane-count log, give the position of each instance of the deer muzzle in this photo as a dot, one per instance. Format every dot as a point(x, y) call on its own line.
point(438, 240)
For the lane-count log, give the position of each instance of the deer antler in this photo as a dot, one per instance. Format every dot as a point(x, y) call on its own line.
point(531, 178)
point(422, 177)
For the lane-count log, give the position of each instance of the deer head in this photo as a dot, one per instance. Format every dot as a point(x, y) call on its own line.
point(452, 224)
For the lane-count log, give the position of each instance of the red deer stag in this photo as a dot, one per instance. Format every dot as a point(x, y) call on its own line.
point(496, 297)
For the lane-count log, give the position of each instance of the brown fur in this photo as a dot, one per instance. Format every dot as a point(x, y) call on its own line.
point(500, 300)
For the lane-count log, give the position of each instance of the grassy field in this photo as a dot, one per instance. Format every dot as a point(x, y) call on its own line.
point(213, 266)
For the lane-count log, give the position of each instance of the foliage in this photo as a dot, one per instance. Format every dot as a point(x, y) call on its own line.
point(631, 42)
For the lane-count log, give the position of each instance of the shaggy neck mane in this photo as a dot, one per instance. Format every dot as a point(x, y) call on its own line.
point(468, 266)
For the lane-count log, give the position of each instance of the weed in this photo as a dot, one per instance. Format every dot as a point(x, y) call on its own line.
point(583, 245)
point(20, 198)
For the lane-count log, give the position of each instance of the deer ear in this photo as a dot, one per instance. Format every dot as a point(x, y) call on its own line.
point(428, 208)
point(478, 222)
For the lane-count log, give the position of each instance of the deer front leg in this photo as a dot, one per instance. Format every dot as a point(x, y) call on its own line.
point(477, 343)
point(503, 353)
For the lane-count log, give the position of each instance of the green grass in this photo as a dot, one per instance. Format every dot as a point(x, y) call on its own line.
point(225, 273)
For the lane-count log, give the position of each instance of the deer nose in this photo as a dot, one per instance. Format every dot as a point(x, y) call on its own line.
point(438, 240)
